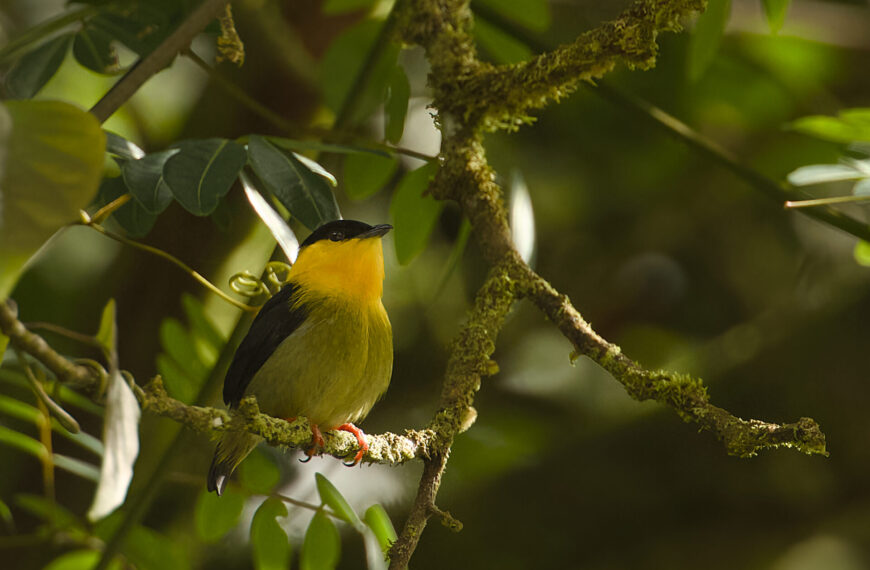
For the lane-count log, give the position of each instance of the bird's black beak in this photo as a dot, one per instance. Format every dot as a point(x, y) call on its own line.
point(376, 231)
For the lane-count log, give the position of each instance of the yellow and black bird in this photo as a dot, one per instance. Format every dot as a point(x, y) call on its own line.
point(322, 347)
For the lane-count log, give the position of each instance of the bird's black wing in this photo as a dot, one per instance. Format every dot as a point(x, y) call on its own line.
point(275, 322)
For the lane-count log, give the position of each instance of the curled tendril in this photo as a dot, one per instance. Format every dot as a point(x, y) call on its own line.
point(98, 370)
point(275, 276)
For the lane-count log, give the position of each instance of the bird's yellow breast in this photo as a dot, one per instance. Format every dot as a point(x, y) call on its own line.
point(352, 269)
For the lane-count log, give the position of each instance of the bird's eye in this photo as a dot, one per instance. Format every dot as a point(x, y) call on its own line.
point(336, 236)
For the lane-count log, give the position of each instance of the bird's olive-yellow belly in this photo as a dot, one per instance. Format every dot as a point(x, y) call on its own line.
point(332, 369)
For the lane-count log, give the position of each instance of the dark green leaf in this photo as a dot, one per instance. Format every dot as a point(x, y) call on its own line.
point(35, 68)
point(215, 516)
point(202, 172)
point(291, 144)
point(306, 195)
point(93, 49)
point(54, 161)
point(321, 548)
point(365, 175)
point(775, 10)
point(132, 216)
point(344, 60)
point(258, 473)
point(80, 560)
point(396, 105)
point(269, 544)
point(379, 521)
point(704, 42)
point(144, 179)
point(121, 147)
point(335, 500)
point(343, 6)
point(149, 550)
point(850, 126)
point(414, 215)
point(532, 14)
point(48, 511)
point(498, 45)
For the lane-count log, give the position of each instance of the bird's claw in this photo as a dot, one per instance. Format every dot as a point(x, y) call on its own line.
point(360, 439)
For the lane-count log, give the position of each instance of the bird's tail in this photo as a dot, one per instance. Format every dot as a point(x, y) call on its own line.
point(231, 450)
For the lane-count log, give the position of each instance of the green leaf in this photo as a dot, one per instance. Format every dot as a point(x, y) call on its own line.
point(704, 42)
point(306, 195)
point(852, 125)
point(532, 14)
point(106, 335)
point(861, 253)
point(214, 516)
point(54, 158)
point(269, 544)
point(144, 179)
point(48, 511)
point(178, 384)
point(294, 145)
point(414, 215)
point(147, 549)
point(321, 548)
point(396, 105)
point(18, 409)
point(23, 442)
point(334, 499)
point(333, 7)
point(121, 147)
point(775, 10)
point(206, 336)
point(379, 521)
point(35, 68)
point(344, 60)
point(821, 173)
point(202, 172)
point(78, 467)
point(365, 175)
point(132, 216)
point(4, 342)
point(6, 515)
point(80, 560)
point(93, 49)
point(258, 473)
point(500, 46)
point(178, 344)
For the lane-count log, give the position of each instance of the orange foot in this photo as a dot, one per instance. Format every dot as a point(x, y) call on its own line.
point(360, 439)
point(317, 441)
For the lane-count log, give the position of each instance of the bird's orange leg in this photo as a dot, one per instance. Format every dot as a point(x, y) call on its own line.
point(317, 441)
point(360, 439)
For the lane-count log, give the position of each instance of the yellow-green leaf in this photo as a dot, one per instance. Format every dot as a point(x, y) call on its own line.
point(269, 544)
point(330, 495)
point(106, 333)
point(379, 521)
point(321, 548)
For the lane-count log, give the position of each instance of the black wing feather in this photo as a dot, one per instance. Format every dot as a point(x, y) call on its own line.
point(275, 322)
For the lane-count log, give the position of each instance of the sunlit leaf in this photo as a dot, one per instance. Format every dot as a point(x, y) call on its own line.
point(281, 231)
point(93, 49)
point(396, 104)
point(22, 442)
point(144, 179)
point(306, 195)
point(121, 442)
point(107, 333)
point(705, 39)
point(522, 216)
point(414, 215)
point(321, 548)
point(35, 68)
point(269, 543)
point(258, 473)
point(215, 516)
point(862, 188)
point(775, 10)
point(121, 147)
point(202, 172)
point(379, 521)
point(500, 46)
point(53, 164)
point(365, 175)
point(80, 560)
point(821, 173)
point(532, 14)
point(849, 126)
point(330, 495)
point(861, 253)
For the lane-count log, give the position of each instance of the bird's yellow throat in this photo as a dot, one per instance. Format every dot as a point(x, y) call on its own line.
point(351, 269)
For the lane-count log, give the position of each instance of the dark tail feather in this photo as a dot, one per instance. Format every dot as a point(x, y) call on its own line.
point(219, 473)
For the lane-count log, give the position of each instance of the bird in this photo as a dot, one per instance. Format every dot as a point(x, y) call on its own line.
point(321, 347)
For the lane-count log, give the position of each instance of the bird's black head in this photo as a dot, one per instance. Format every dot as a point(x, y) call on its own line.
point(341, 230)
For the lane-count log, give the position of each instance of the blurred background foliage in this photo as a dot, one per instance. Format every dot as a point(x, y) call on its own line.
point(665, 252)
